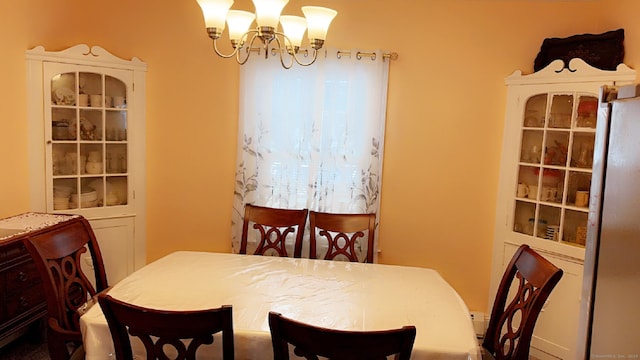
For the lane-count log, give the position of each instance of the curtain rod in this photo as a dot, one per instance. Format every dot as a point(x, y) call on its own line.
point(360, 54)
point(341, 53)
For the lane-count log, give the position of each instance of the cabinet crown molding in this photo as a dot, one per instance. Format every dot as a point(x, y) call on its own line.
point(577, 71)
point(82, 54)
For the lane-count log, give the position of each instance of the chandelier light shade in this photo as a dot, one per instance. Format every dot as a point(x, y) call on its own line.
point(266, 33)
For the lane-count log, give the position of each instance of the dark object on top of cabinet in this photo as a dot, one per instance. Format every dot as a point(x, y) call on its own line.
point(604, 51)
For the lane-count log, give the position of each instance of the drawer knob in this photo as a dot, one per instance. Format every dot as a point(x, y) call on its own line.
point(22, 276)
point(24, 302)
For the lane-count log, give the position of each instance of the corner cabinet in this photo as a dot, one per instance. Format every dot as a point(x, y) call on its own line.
point(86, 110)
point(545, 177)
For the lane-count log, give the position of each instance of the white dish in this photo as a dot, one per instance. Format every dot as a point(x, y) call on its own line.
point(64, 96)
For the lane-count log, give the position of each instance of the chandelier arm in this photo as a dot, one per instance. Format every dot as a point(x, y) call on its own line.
point(313, 60)
point(294, 52)
point(215, 47)
point(247, 49)
point(282, 49)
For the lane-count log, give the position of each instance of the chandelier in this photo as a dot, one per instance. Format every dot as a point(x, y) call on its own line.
point(285, 43)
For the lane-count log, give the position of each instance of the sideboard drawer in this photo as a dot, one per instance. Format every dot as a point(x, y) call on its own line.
point(21, 277)
point(24, 301)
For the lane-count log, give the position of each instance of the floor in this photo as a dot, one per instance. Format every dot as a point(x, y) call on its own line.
point(28, 346)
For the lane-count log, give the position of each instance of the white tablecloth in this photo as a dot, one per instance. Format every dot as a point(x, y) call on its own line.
point(340, 295)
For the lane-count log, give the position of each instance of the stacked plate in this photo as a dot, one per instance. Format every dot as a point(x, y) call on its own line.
point(89, 198)
point(61, 197)
point(60, 203)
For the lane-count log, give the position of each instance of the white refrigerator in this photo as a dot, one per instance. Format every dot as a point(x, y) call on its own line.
point(610, 303)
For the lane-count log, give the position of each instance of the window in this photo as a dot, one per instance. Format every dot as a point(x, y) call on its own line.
point(311, 137)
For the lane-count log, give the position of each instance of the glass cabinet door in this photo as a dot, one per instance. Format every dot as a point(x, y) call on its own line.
point(554, 171)
point(89, 145)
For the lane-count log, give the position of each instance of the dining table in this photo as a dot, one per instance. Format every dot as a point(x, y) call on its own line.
point(333, 294)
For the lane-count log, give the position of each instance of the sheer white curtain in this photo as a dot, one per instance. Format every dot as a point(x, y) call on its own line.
point(311, 137)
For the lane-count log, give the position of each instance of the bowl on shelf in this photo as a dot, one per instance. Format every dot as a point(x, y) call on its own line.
point(87, 196)
point(93, 167)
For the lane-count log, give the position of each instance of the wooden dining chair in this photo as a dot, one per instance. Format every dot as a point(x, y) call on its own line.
point(274, 226)
point(57, 255)
point(310, 341)
point(343, 233)
point(166, 334)
point(531, 278)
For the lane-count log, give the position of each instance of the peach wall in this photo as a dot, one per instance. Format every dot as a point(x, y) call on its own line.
point(444, 126)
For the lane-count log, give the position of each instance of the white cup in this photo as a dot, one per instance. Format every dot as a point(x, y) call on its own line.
point(83, 100)
point(582, 198)
point(108, 101)
point(96, 100)
point(523, 190)
point(533, 191)
point(548, 193)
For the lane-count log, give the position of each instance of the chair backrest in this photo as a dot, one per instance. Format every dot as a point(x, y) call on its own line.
point(58, 258)
point(344, 233)
point(514, 315)
point(162, 332)
point(274, 227)
point(311, 341)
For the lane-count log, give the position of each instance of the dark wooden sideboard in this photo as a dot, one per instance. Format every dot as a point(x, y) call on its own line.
point(22, 298)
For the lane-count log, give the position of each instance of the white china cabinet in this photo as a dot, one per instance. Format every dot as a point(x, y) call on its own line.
point(87, 146)
point(545, 177)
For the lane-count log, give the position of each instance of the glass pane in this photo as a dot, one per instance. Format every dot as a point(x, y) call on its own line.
point(531, 148)
point(90, 125)
point(116, 125)
point(575, 227)
point(535, 110)
point(549, 215)
point(116, 158)
point(91, 154)
point(561, 111)
point(63, 122)
point(552, 185)
point(527, 178)
point(91, 85)
point(524, 212)
point(555, 149)
point(64, 159)
point(117, 192)
point(578, 187)
point(115, 93)
point(62, 191)
point(587, 112)
point(582, 150)
point(63, 89)
point(88, 196)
